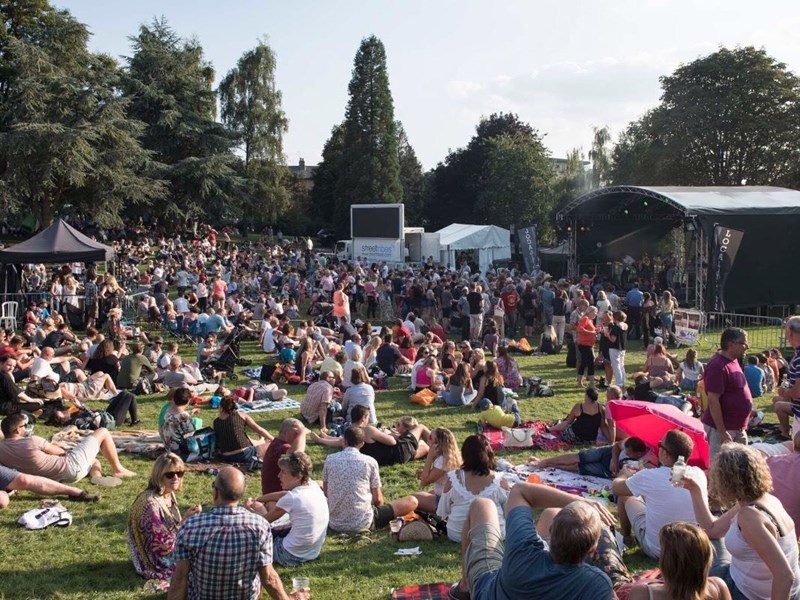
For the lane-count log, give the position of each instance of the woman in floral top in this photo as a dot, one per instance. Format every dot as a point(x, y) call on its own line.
point(154, 519)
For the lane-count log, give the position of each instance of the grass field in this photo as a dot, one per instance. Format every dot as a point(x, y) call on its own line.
point(91, 560)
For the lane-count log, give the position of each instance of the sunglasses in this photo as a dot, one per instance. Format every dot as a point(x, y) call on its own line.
point(174, 474)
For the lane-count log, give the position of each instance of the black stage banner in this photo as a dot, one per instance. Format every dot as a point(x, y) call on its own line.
point(726, 245)
point(529, 248)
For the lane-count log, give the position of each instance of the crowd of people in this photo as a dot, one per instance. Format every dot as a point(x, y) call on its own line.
point(451, 333)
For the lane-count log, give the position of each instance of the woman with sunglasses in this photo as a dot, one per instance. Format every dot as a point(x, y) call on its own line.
point(154, 519)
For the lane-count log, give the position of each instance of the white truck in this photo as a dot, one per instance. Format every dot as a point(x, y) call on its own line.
point(417, 247)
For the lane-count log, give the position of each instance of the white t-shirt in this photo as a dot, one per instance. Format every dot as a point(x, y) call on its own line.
point(308, 509)
point(181, 305)
point(269, 342)
point(665, 503)
point(438, 485)
point(43, 369)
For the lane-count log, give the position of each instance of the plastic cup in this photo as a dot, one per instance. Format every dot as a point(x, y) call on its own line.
point(301, 588)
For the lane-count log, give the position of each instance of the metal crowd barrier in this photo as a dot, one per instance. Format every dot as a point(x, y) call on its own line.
point(762, 331)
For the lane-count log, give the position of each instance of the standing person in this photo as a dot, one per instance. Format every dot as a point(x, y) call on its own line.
point(547, 296)
point(511, 302)
point(635, 299)
point(341, 303)
point(787, 402)
point(227, 552)
point(667, 315)
point(560, 315)
point(648, 319)
point(587, 337)
point(617, 336)
point(475, 301)
point(729, 399)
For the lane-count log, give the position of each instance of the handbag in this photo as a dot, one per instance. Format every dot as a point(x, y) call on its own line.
point(518, 437)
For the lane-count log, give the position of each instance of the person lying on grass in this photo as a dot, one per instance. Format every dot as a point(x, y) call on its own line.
point(407, 440)
point(603, 461)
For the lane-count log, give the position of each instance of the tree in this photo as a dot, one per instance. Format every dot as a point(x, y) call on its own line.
point(66, 138)
point(169, 86)
point(370, 169)
point(251, 108)
point(411, 178)
point(729, 117)
point(516, 183)
point(600, 155)
point(457, 182)
point(326, 177)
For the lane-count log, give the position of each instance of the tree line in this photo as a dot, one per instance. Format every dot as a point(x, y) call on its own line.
point(151, 137)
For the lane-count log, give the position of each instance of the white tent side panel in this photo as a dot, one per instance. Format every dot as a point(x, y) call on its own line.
point(492, 243)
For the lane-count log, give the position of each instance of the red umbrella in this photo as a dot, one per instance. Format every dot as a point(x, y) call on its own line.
point(649, 422)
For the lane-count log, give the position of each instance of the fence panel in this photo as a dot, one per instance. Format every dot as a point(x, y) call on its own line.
point(762, 331)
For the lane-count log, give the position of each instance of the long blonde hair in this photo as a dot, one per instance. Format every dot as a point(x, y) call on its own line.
point(448, 448)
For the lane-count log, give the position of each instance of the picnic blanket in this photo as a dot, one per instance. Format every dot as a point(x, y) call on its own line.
point(253, 373)
point(268, 405)
point(542, 440)
point(423, 591)
point(582, 485)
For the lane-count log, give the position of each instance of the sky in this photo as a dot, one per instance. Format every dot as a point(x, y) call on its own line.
point(564, 68)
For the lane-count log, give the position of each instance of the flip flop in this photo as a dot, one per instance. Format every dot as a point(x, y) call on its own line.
point(107, 481)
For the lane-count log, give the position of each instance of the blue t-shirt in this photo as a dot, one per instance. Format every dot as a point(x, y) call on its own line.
point(529, 573)
point(214, 324)
point(634, 297)
point(755, 378)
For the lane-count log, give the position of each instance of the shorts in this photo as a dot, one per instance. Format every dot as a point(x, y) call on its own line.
point(637, 515)
point(595, 462)
point(244, 456)
point(6, 477)
point(281, 556)
point(483, 558)
point(80, 459)
point(382, 516)
point(476, 321)
point(714, 443)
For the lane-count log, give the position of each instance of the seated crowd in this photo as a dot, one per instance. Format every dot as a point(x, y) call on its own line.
point(728, 533)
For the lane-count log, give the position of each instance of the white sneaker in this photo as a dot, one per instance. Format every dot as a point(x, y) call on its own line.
point(193, 457)
point(756, 420)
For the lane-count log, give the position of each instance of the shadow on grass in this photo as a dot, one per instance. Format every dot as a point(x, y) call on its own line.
point(56, 581)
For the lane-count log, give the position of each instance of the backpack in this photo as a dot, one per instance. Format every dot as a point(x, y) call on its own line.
point(143, 387)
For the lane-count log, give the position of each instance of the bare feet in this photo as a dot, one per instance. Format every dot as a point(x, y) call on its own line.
point(124, 473)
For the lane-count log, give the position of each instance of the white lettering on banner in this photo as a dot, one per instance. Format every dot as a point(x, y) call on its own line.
point(373, 250)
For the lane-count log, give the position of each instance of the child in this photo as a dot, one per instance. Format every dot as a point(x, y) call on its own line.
point(603, 461)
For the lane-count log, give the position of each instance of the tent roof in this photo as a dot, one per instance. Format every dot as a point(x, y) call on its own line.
point(468, 237)
point(58, 243)
point(685, 201)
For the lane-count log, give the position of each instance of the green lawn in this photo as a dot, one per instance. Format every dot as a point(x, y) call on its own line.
point(90, 559)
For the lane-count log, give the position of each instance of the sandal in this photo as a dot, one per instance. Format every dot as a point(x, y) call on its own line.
point(84, 496)
point(107, 481)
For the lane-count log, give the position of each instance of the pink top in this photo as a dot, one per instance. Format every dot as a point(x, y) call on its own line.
point(786, 484)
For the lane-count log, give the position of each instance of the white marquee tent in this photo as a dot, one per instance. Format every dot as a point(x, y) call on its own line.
point(491, 242)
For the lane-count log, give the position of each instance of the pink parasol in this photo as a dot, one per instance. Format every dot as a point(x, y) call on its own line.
point(650, 421)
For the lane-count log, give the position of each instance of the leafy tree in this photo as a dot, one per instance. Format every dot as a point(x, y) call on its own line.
point(169, 86)
point(457, 182)
point(251, 108)
point(516, 183)
point(723, 119)
point(600, 155)
point(370, 169)
point(327, 176)
point(66, 138)
point(411, 178)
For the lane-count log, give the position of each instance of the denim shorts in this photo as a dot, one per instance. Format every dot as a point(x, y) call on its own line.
point(244, 456)
point(281, 556)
